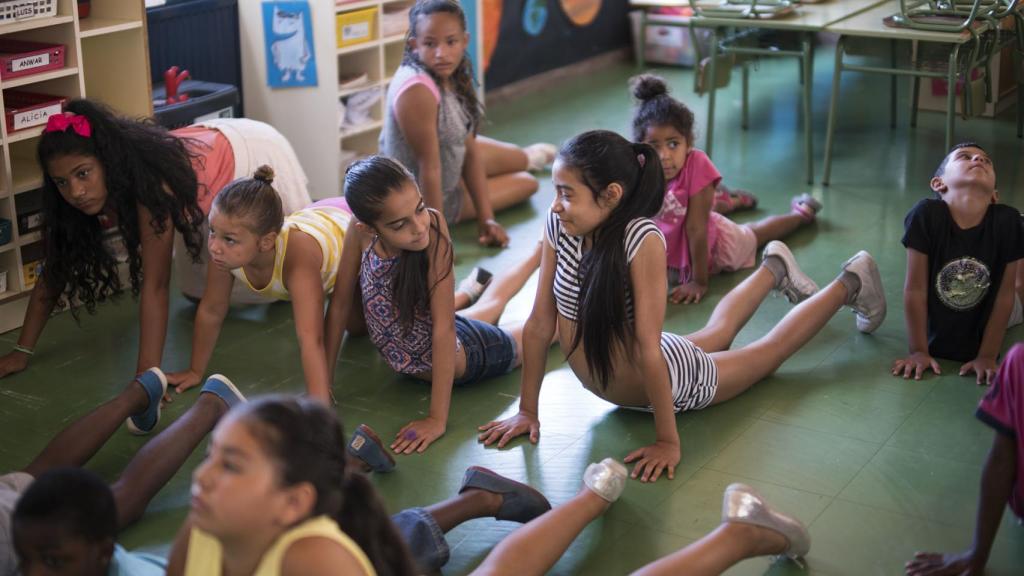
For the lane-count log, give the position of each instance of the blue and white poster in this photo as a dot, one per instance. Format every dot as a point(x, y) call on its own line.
point(288, 37)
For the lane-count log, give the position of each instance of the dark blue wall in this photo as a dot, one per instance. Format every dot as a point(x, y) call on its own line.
point(519, 55)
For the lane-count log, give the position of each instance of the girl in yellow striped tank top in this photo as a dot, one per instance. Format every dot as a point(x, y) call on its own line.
point(287, 258)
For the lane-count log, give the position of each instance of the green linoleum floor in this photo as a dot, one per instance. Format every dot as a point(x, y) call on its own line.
point(878, 467)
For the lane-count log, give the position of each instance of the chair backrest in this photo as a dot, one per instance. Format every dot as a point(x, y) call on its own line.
point(741, 9)
point(950, 15)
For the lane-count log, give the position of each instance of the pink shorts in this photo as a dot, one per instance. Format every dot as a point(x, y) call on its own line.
point(735, 249)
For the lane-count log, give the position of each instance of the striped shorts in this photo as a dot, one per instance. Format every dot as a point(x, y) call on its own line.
point(691, 373)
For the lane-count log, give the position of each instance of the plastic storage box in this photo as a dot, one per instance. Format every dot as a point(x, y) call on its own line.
point(356, 27)
point(5, 232)
point(23, 58)
point(29, 109)
point(206, 100)
point(17, 10)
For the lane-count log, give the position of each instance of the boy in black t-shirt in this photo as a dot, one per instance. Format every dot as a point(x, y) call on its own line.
point(963, 287)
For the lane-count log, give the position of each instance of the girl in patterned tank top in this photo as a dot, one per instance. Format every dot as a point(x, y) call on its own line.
point(286, 258)
point(400, 252)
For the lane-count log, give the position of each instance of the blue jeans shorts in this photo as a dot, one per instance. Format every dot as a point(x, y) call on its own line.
point(424, 538)
point(490, 351)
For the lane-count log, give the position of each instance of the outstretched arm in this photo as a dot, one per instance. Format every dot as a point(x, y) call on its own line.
point(157, 250)
point(40, 305)
point(417, 435)
point(302, 278)
point(491, 233)
point(343, 297)
point(984, 366)
point(537, 333)
point(647, 275)
point(915, 306)
point(698, 212)
point(416, 113)
point(208, 321)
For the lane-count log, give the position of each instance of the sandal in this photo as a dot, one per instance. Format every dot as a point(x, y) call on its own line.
point(727, 201)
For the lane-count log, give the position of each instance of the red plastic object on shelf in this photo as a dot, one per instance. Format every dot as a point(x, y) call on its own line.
point(83, 8)
point(172, 81)
point(30, 109)
point(24, 58)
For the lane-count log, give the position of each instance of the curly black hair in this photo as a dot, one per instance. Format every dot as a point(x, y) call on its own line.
point(656, 108)
point(143, 164)
point(463, 79)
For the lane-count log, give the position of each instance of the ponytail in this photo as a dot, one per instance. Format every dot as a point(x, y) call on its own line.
point(365, 520)
point(602, 158)
point(306, 440)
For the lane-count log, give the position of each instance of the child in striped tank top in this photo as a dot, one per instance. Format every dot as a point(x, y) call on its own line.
point(603, 289)
point(285, 258)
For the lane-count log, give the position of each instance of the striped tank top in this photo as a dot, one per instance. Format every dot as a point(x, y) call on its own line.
point(327, 225)
point(569, 254)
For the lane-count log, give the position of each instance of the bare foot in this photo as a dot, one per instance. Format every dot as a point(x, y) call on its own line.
point(937, 564)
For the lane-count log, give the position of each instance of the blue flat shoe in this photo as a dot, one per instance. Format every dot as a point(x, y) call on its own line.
point(366, 446)
point(154, 383)
point(220, 386)
point(519, 502)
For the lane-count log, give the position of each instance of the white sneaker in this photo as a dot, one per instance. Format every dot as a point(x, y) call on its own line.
point(539, 156)
point(795, 285)
point(475, 284)
point(869, 302)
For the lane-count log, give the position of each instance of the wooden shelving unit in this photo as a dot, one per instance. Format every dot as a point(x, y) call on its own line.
point(106, 59)
point(378, 59)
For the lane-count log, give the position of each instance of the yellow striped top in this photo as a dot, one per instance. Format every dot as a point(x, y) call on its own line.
point(327, 225)
point(205, 553)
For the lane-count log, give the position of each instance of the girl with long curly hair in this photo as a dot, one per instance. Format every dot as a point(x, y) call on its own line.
point(106, 175)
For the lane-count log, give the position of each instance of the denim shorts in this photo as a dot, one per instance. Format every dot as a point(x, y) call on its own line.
point(490, 350)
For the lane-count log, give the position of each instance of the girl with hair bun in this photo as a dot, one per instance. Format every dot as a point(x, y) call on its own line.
point(700, 241)
point(274, 256)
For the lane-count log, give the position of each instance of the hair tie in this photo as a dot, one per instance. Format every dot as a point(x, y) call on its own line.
point(61, 123)
point(641, 159)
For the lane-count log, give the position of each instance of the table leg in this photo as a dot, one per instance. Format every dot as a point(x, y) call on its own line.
point(744, 117)
point(832, 104)
point(642, 43)
point(892, 85)
point(808, 82)
point(712, 83)
point(951, 75)
point(915, 94)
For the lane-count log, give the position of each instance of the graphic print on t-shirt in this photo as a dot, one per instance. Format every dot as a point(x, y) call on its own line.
point(962, 283)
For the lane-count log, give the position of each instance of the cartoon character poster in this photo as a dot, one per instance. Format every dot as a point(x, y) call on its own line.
point(288, 37)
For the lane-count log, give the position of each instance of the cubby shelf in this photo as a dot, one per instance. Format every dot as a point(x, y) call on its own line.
point(115, 32)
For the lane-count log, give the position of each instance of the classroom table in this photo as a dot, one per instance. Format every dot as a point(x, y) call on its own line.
point(869, 24)
point(807, 20)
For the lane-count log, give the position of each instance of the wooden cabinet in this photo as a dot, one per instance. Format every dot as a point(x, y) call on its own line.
point(106, 58)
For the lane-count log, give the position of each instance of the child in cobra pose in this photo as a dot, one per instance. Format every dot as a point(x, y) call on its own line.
point(699, 241)
point(275, 256)
point(964, 282)
point(401, 254)
point(602, 287)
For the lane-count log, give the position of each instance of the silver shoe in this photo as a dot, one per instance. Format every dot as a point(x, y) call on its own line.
point(868, 303)
point(606, 478)
point(795, 285)
point(743, 504)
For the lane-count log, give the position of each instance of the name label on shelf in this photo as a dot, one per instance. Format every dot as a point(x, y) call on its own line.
point(30, 62)
point(30, 118)
point(355, 31)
